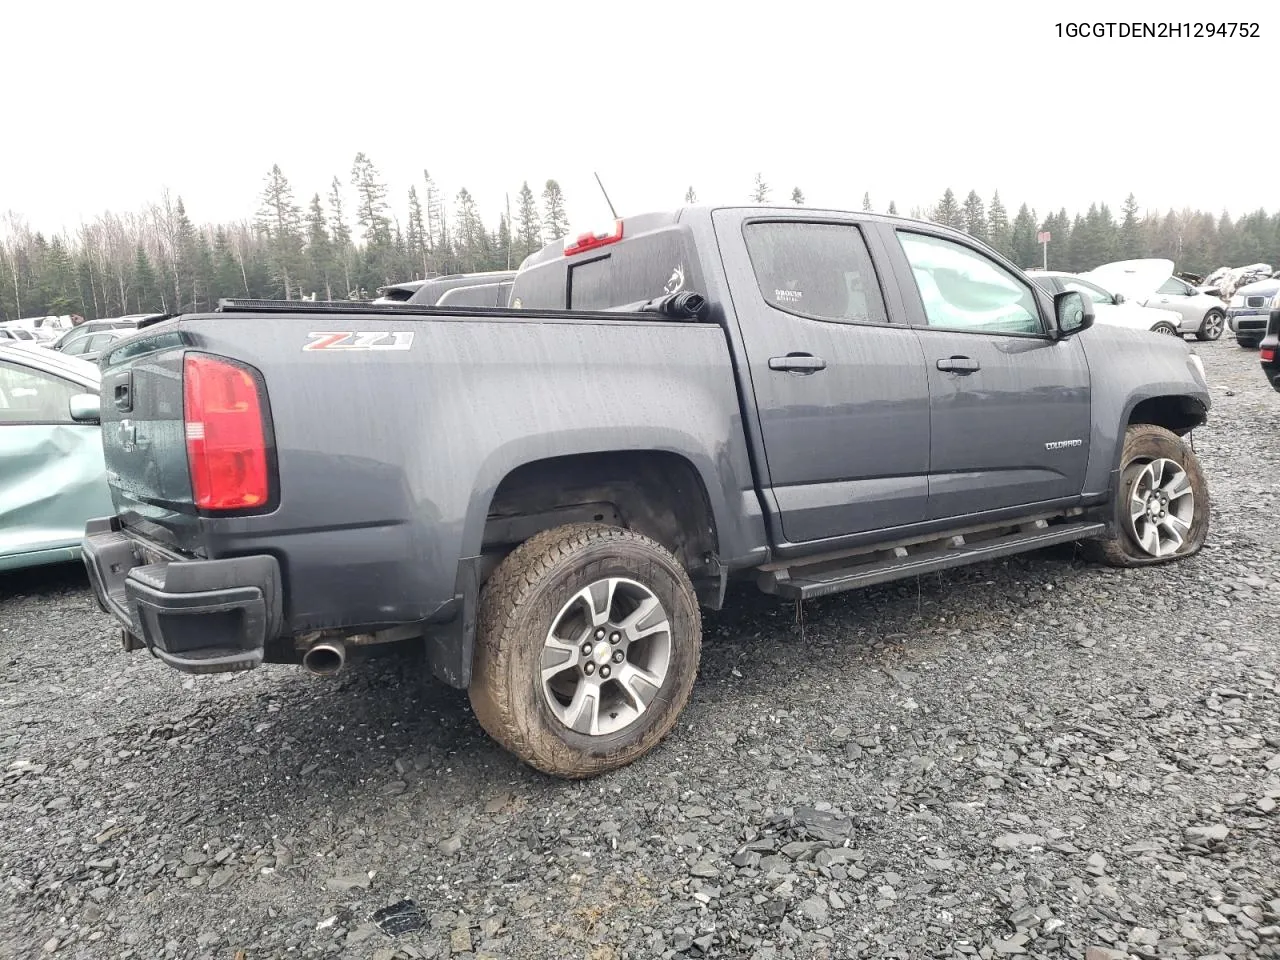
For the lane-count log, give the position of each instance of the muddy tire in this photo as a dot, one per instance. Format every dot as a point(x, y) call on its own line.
point(1162, 504)
point(587, 647)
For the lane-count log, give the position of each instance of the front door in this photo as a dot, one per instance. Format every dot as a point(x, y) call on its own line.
point(1009, 403)
point(52, 477)
point(841, 392)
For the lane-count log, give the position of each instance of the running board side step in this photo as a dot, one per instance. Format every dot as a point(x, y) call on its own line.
point(801, 583)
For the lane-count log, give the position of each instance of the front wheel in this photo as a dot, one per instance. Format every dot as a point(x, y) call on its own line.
point(587, 646)
point(1212, 325)
point(1162, 504)
point(1165, 329)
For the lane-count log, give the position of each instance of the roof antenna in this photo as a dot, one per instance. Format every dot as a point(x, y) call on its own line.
point(606, 195)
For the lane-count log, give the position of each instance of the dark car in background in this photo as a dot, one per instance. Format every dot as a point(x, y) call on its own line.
point(430, 292)
point(398, 292)
point(1269, 350)
point(486, 289)
point(72, 342)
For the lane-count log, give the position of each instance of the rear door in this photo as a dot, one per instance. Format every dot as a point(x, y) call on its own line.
point(840, 388)
point(1173, 294)
point(1009, 404)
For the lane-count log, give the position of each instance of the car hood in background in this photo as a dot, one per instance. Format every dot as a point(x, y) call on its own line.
point(1259, 288)
point(1133, 278)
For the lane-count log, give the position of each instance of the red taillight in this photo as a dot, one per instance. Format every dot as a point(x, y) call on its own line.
point(1267, 354)
point(226, 442)
point(589, 241)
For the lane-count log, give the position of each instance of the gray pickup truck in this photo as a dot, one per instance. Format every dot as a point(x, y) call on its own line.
point(545, 495)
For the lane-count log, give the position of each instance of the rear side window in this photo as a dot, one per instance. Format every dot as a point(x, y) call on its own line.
point(818, 270)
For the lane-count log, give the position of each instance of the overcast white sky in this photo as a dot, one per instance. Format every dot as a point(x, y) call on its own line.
point(108, 103)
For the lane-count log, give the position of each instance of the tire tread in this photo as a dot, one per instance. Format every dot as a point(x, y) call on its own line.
point(502, 604)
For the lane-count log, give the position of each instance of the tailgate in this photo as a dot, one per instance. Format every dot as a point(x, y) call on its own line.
point(144, 440)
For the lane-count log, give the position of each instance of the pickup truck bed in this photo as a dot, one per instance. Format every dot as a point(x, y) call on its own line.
point(545, 495)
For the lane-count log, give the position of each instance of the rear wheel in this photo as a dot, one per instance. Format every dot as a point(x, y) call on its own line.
point(1211, 326)
point(587, 646)
point(1162, 504)
point(1165, 329)
point(1247, 344)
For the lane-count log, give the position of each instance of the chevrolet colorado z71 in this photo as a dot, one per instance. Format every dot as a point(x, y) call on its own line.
point(546, 495)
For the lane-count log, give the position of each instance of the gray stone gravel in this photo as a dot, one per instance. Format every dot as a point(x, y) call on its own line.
point(1031, 758)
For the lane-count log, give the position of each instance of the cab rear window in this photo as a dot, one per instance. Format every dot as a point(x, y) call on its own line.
point(631, 272)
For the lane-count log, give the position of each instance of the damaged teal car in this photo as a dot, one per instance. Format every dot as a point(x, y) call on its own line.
point(52, 475)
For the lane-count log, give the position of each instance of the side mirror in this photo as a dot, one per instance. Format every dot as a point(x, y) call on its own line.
point(1073, 312)
point(86, 408)
point(1118, 298)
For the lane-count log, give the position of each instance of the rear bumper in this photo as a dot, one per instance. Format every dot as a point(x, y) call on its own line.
point(198, 616)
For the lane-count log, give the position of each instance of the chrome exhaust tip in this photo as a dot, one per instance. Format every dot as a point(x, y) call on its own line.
point(325, 659)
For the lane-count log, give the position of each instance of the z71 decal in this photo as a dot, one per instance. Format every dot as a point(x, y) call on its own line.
point(372, 340)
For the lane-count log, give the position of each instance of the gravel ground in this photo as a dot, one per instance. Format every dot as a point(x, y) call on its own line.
point(1033, 757)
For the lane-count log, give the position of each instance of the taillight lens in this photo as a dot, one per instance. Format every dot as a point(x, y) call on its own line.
point(1267, 354)
point(226, 440)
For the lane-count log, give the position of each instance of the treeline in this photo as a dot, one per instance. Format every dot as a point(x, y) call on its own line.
point(348, 241)
point(344, 244)
point(1196, 241)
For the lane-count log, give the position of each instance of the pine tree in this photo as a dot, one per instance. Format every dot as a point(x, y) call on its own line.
point(436, 234)
point(760, 193)
point(1076, 250)
point(146, 291)
point(1022, 238)
point(1132, 241)
point(60, 293)
point(797, 196)
point(975, 216)
point(555, 220)
point(184, 257)
point(228, 281)
point(371, 202)
point(340, 234)
point(504, 248)
point(528, 223)
point(690, 198)
point(202, 268)
point(469, 232)
point(893, 209)
point(319, 249)
point(998, 232)
point(866, 202)
point(947, 212)
point(281, 220)
point(417, 233)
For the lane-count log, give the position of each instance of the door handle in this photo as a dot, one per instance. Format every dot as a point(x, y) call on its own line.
point(123, 395)
point(959, 364)
point(798, 363)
